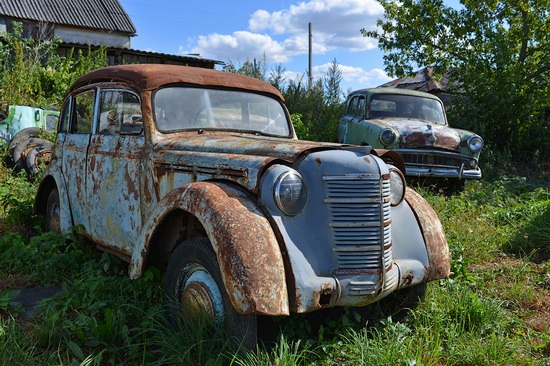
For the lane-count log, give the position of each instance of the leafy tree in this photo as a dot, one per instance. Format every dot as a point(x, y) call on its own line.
point(32, 73)
point(332, 82)
point(499, 52)
point(314, 112)
point(256, 69)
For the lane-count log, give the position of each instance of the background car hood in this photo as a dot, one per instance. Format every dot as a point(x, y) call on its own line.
point(417, 134)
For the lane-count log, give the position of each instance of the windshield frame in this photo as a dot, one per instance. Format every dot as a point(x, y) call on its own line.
point(284, 125)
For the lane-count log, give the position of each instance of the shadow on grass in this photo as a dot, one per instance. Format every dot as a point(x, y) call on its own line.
point(533, 239)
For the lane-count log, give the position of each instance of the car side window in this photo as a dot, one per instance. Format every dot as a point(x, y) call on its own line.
point(352, 106)
point(360, 110)
point(119, 112)
point(65, 116)
point(83, 116)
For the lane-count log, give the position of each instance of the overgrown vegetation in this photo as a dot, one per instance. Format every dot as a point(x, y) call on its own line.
point(493, 311)
point(498, 52)
point(315, 109)
point(32, 73)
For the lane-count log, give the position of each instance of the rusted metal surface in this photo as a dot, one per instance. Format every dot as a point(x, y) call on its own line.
point(248, 252)
point(434, 236)
point(152, 76)
point(148, 191)
point(430, 147)
point(415, 134)
point(391, 157)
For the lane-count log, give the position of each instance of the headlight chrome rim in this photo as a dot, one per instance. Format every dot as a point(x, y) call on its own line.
point(475, 143)
point(298, 202)
point(387, 137)
point(398, 186)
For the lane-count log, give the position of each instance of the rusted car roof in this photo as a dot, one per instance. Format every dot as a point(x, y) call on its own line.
point(152, 76)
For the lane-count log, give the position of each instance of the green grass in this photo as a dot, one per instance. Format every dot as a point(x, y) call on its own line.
point(495, 310)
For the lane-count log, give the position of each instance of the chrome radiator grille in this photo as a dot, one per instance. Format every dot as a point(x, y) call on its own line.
point(359, 206)
point(433, 159)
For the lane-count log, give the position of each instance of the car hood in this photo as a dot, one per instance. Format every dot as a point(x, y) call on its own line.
point(417, 134)
point(226, 156)
point(239, 144)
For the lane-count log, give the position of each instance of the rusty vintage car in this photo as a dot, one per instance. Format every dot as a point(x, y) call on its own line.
point(204, 167)
point(415, 125)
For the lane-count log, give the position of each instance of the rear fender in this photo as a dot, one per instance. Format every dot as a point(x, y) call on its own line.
point(53, 179)
point(247, 250)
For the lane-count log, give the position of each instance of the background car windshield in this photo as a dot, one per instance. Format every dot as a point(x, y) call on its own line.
point(184, 108)
point(406, 106)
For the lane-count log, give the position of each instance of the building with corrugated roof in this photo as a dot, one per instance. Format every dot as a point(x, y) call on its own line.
point(83, 24)
point(425, 81)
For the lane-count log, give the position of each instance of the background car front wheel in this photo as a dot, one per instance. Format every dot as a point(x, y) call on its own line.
point(196, 295)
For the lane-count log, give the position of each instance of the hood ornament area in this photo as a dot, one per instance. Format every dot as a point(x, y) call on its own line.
point(432, 138)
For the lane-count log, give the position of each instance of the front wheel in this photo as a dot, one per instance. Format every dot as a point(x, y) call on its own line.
point(196, 294)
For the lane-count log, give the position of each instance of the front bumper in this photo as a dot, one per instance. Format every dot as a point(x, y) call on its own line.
point(439, 164)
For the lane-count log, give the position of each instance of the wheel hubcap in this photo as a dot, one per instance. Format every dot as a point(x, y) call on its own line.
point(53, 221)
point(200, 297)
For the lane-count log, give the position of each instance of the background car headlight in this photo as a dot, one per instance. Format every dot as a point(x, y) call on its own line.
point(397, 186)
point(388, 137)
point(290, 193)
point(475, 143)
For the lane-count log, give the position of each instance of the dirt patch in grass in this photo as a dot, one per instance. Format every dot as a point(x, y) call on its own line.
point(534, 310)
point(12, 282)
point(538, 313)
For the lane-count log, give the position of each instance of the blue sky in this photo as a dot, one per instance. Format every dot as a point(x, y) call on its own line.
point(239, 30)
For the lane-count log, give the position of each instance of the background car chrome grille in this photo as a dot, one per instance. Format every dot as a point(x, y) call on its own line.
point(447, 160)
point(359, 206)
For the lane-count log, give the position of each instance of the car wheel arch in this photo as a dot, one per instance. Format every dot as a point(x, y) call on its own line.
point(242, 238)
point(46, 186)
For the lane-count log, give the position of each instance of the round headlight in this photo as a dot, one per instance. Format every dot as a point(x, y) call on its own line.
point(475, 143)
point(388, 137)
point(397, 186)
point(290, 193)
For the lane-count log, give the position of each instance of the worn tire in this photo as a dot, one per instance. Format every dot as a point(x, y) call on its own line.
point(35, 154)
point(194, 289)
point(24, 135)
point(53, 212)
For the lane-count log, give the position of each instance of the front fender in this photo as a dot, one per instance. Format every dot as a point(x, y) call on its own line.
point(434, 237)
point(247, 250)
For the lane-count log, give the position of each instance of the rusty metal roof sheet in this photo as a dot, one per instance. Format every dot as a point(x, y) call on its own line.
point(423, 81)
point(152, 76)
point(94, 14)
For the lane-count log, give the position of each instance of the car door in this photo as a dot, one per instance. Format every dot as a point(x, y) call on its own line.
point(75, 151)
point(347, 120)
point(114, 171)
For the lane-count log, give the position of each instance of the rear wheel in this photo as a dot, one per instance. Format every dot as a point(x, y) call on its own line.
point(197, 296)
point(36, 155)
point(53, 212)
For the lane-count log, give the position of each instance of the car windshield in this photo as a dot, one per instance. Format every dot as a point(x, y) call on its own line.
point(189, 108)
point(406, 106)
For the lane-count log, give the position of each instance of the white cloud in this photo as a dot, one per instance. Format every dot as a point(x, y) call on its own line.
point(335, 23)
point(353, 76)
point(239, 46)
point(282, 34)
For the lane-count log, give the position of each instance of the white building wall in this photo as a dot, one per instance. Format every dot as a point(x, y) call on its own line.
point(74, 35)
